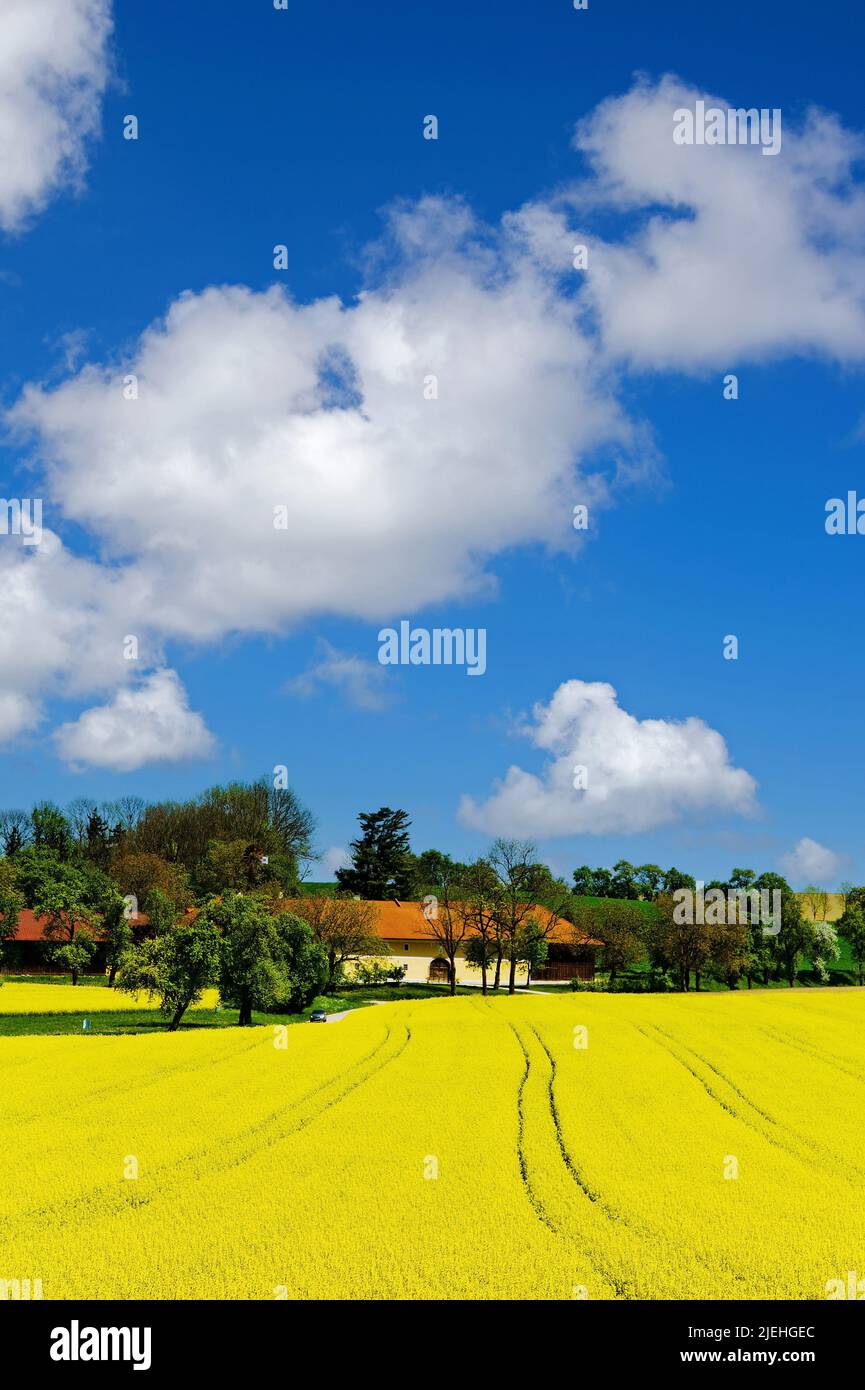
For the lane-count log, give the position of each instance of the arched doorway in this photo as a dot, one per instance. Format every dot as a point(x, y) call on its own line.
point(439, 971)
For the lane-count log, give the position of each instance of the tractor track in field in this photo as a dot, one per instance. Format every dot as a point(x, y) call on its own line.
point(663, 1040)
point(152, 1079)
point(537, 1205)
point(794, 1143)
point(640, 1232)
point(788, 1140)
point(764, 1114)
point(567, 1157)
point(556, 1225)
point(809, 1050)
point(240, 1140)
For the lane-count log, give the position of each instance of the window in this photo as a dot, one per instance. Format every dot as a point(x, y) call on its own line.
point(406, 948)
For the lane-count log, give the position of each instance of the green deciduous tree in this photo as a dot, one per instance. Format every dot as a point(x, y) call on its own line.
point(117, 934)
point(674, 879)
point(433, 869)
point(175, 967)
point(730, 952)
point(619, 925)
point(160, 910)
point(306, 961)
point(35, 867)
point(66, 902)
point(677, 941)
point(649, 878)
point(794, 937)
point(531, 947)
point(852, 927)
point(584, 882)
point(11, 902)
point(624, 883)
point(265, 961)
point(602, 880)
point(258, 813)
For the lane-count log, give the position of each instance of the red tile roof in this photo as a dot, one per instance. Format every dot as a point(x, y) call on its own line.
point(32, 928)
point(395, 921)
point(405, 921)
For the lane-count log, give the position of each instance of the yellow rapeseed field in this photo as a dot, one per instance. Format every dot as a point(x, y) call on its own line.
point(538, 1147)
point(80, 999)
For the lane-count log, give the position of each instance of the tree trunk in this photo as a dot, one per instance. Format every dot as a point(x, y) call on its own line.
point(245, 1013)
point(453, 974)
point(498, 975)
point(484, 976)
point(697, 981)
point(112, 974)
point(512, 977)
point(74, 976)
point(178, 1015)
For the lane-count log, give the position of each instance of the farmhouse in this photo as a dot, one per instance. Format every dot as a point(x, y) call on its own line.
point(407, 935)
point(402, 926)
point(28, 951)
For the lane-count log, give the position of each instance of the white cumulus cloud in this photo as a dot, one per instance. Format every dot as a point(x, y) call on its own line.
point(53, 72)
point(391, 491)
point(17, 714)
point(639, 774)
point(148, 723)
point(809, 862)
point(734, 255)
point(282, 461)
point(362, 682)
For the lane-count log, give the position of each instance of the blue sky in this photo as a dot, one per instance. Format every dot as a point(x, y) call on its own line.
point(260, 127)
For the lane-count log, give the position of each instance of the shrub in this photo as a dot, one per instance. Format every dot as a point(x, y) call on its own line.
point(646, 984)
point(375, 972)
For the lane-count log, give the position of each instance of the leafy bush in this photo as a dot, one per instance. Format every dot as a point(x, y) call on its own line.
point(373, 972)
point(646, 984)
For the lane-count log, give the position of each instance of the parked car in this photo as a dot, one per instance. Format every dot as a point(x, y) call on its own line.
point(318, 1016)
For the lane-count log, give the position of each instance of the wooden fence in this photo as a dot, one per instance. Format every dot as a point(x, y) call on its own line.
point(565, 970)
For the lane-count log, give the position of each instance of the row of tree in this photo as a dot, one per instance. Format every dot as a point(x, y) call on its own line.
point(263, 953)
point(730, 938)
point(242, 836)
point(77, 870)
point(488, 908)
point(631, 881)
